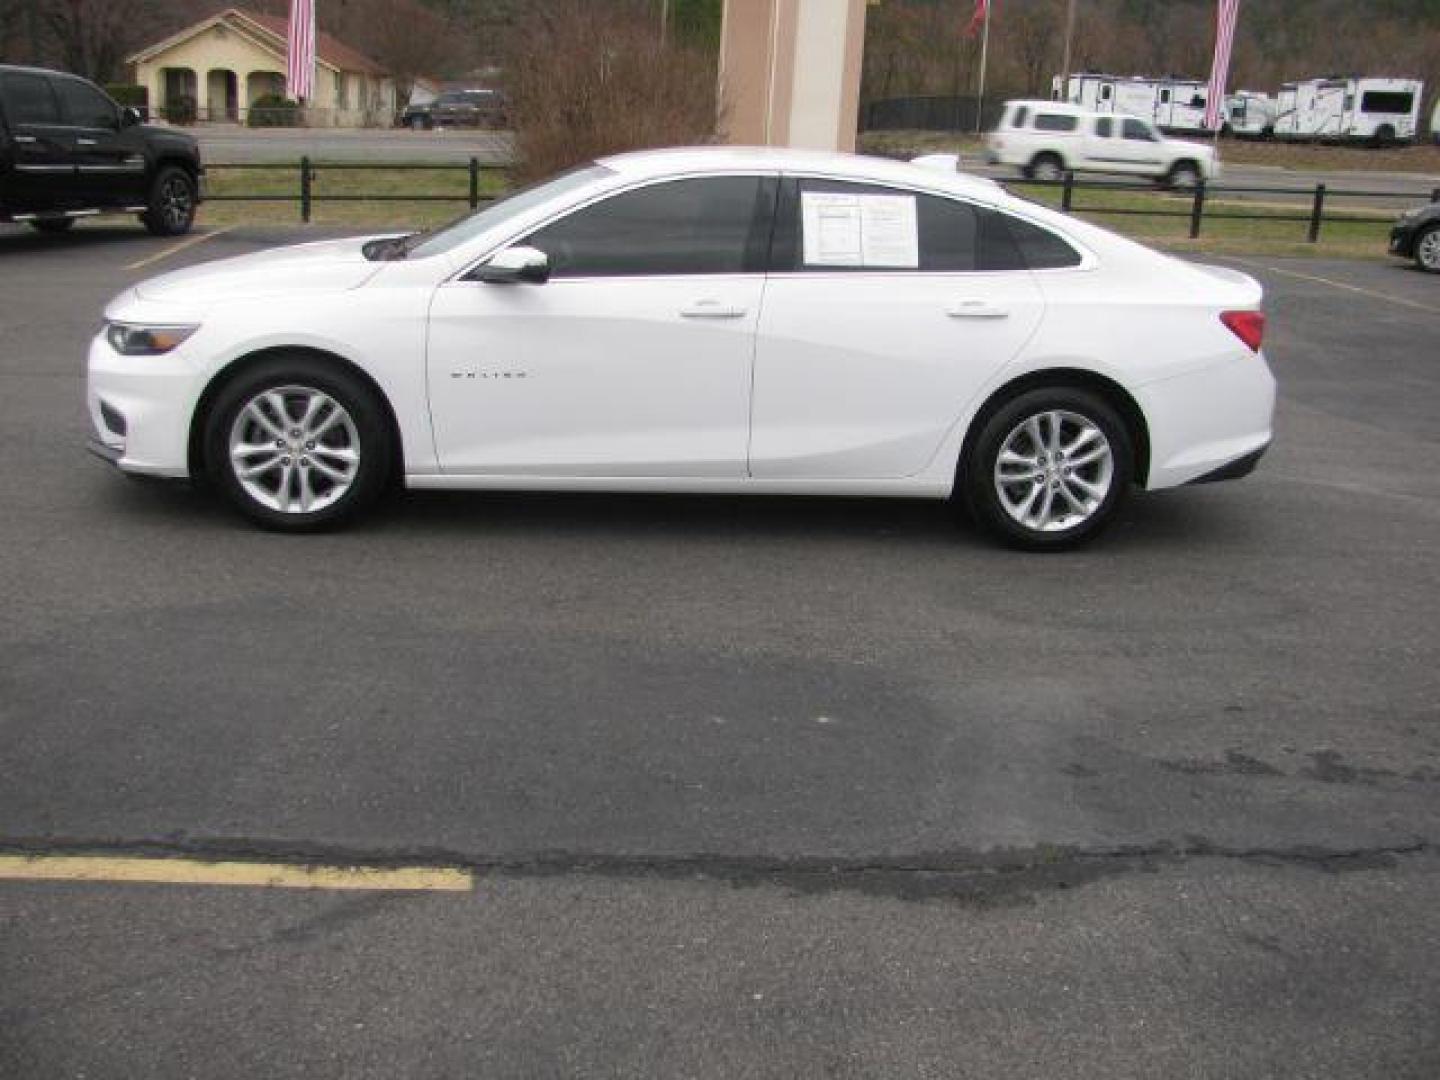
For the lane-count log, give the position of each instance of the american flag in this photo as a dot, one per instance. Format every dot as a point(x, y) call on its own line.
point(1225, 16)
point(982, 13)
point(300, 55)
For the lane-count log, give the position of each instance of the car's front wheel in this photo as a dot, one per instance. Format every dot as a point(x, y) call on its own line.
point(1049, 469)
point(298, 445)
point(1427, 249)
point(170, 210)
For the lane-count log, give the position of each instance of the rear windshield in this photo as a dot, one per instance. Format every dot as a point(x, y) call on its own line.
point(1055, 122)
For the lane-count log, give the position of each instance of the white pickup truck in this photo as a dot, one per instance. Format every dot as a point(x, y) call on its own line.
point(1046, 139)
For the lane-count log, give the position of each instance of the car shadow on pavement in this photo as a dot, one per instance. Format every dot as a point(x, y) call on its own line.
point(1155, 520)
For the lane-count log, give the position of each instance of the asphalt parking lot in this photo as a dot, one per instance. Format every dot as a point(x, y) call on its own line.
point(790, 787)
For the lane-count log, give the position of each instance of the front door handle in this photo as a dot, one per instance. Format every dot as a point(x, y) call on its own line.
point(976, 309)
point(25, 140)
point(84, 142)
point(711, 309)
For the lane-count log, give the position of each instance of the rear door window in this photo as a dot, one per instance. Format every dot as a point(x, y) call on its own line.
point(1037, 248)
point(29, 99)
point(1138, 131)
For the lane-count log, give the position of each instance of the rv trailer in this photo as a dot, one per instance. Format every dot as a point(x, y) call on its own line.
point(1370, 109)
point(1250, 114)
point(1176, 105)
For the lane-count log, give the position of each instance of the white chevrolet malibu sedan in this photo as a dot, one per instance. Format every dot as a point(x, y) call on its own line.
point(703, 320)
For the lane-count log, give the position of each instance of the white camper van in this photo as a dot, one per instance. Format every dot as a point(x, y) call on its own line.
point(1170, 104)
point(1374, 110)
point(1248, 112)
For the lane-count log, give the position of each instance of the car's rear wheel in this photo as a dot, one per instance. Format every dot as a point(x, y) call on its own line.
point(1049, 468)
point(170, 210)
point(53, 225)
point(297, 444)
point(1047, 167)
point(1427, 249)
point(417, 123)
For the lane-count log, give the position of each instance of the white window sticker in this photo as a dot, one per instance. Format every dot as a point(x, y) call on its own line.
point(860, 230)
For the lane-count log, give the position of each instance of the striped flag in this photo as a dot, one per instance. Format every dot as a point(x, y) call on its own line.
point(1226, 13)
point(300, 53)
point(982, 15)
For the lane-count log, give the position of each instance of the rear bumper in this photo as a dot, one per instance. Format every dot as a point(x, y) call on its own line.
point(1402, 241)
point(1235, 470)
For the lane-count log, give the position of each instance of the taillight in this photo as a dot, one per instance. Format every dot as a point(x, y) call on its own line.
point(1248, 326)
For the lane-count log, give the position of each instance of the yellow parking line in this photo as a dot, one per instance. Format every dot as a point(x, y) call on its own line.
point(1341, 285)
point(189, 241)
point(263, 875)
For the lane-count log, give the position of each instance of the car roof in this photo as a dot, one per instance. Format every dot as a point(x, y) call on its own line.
point(23, 69)
point(642, 164)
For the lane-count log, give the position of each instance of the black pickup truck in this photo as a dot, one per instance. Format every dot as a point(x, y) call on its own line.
point(67, 151)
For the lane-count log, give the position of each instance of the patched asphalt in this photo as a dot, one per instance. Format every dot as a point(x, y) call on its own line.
point(756, 787)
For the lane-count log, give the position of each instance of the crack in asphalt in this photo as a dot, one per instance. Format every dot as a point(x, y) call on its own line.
point(988, 877)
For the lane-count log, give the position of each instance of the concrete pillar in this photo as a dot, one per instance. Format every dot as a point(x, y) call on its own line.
point(790, 72)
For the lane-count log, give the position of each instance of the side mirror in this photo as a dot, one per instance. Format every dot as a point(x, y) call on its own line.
point(514, 265)
point(129, 116)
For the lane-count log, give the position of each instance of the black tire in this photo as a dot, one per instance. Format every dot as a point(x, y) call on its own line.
point(172, 202)
point(419, 123)
point(1183, 175)
point(369, 431)
point(981, 491)
point(1426, 248)
point(1048, 167)
point(1384, 136)
point(53, 225)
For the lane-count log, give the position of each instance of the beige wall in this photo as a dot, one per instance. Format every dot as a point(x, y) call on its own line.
point(790, 72)
point(222, 48)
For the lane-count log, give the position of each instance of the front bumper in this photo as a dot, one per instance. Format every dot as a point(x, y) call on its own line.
point(140, 409)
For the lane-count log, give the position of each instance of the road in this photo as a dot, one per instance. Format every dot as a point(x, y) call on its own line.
point(750, 788)
point(239, 145)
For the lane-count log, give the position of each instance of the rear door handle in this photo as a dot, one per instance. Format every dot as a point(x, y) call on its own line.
point(976, 309)
point(25, 139)
point(84, 142)
point(711, 309)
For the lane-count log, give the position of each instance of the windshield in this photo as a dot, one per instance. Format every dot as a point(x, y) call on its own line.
point(437, 242)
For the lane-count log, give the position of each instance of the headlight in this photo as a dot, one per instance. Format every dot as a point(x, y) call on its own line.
point(129, 339)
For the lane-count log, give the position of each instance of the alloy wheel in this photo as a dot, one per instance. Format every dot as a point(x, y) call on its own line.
point(1054, 471)
point(1428, 250)
point(294, 449)
point(177, 203)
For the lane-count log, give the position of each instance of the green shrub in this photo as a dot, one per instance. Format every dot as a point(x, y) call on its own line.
point(128, 94)
point(182, 110)
point(272, 110)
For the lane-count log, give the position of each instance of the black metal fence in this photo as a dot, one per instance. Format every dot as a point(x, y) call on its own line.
point(1196, 208)
point(944, 112)
point(306, 171)
point(1313, 216)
